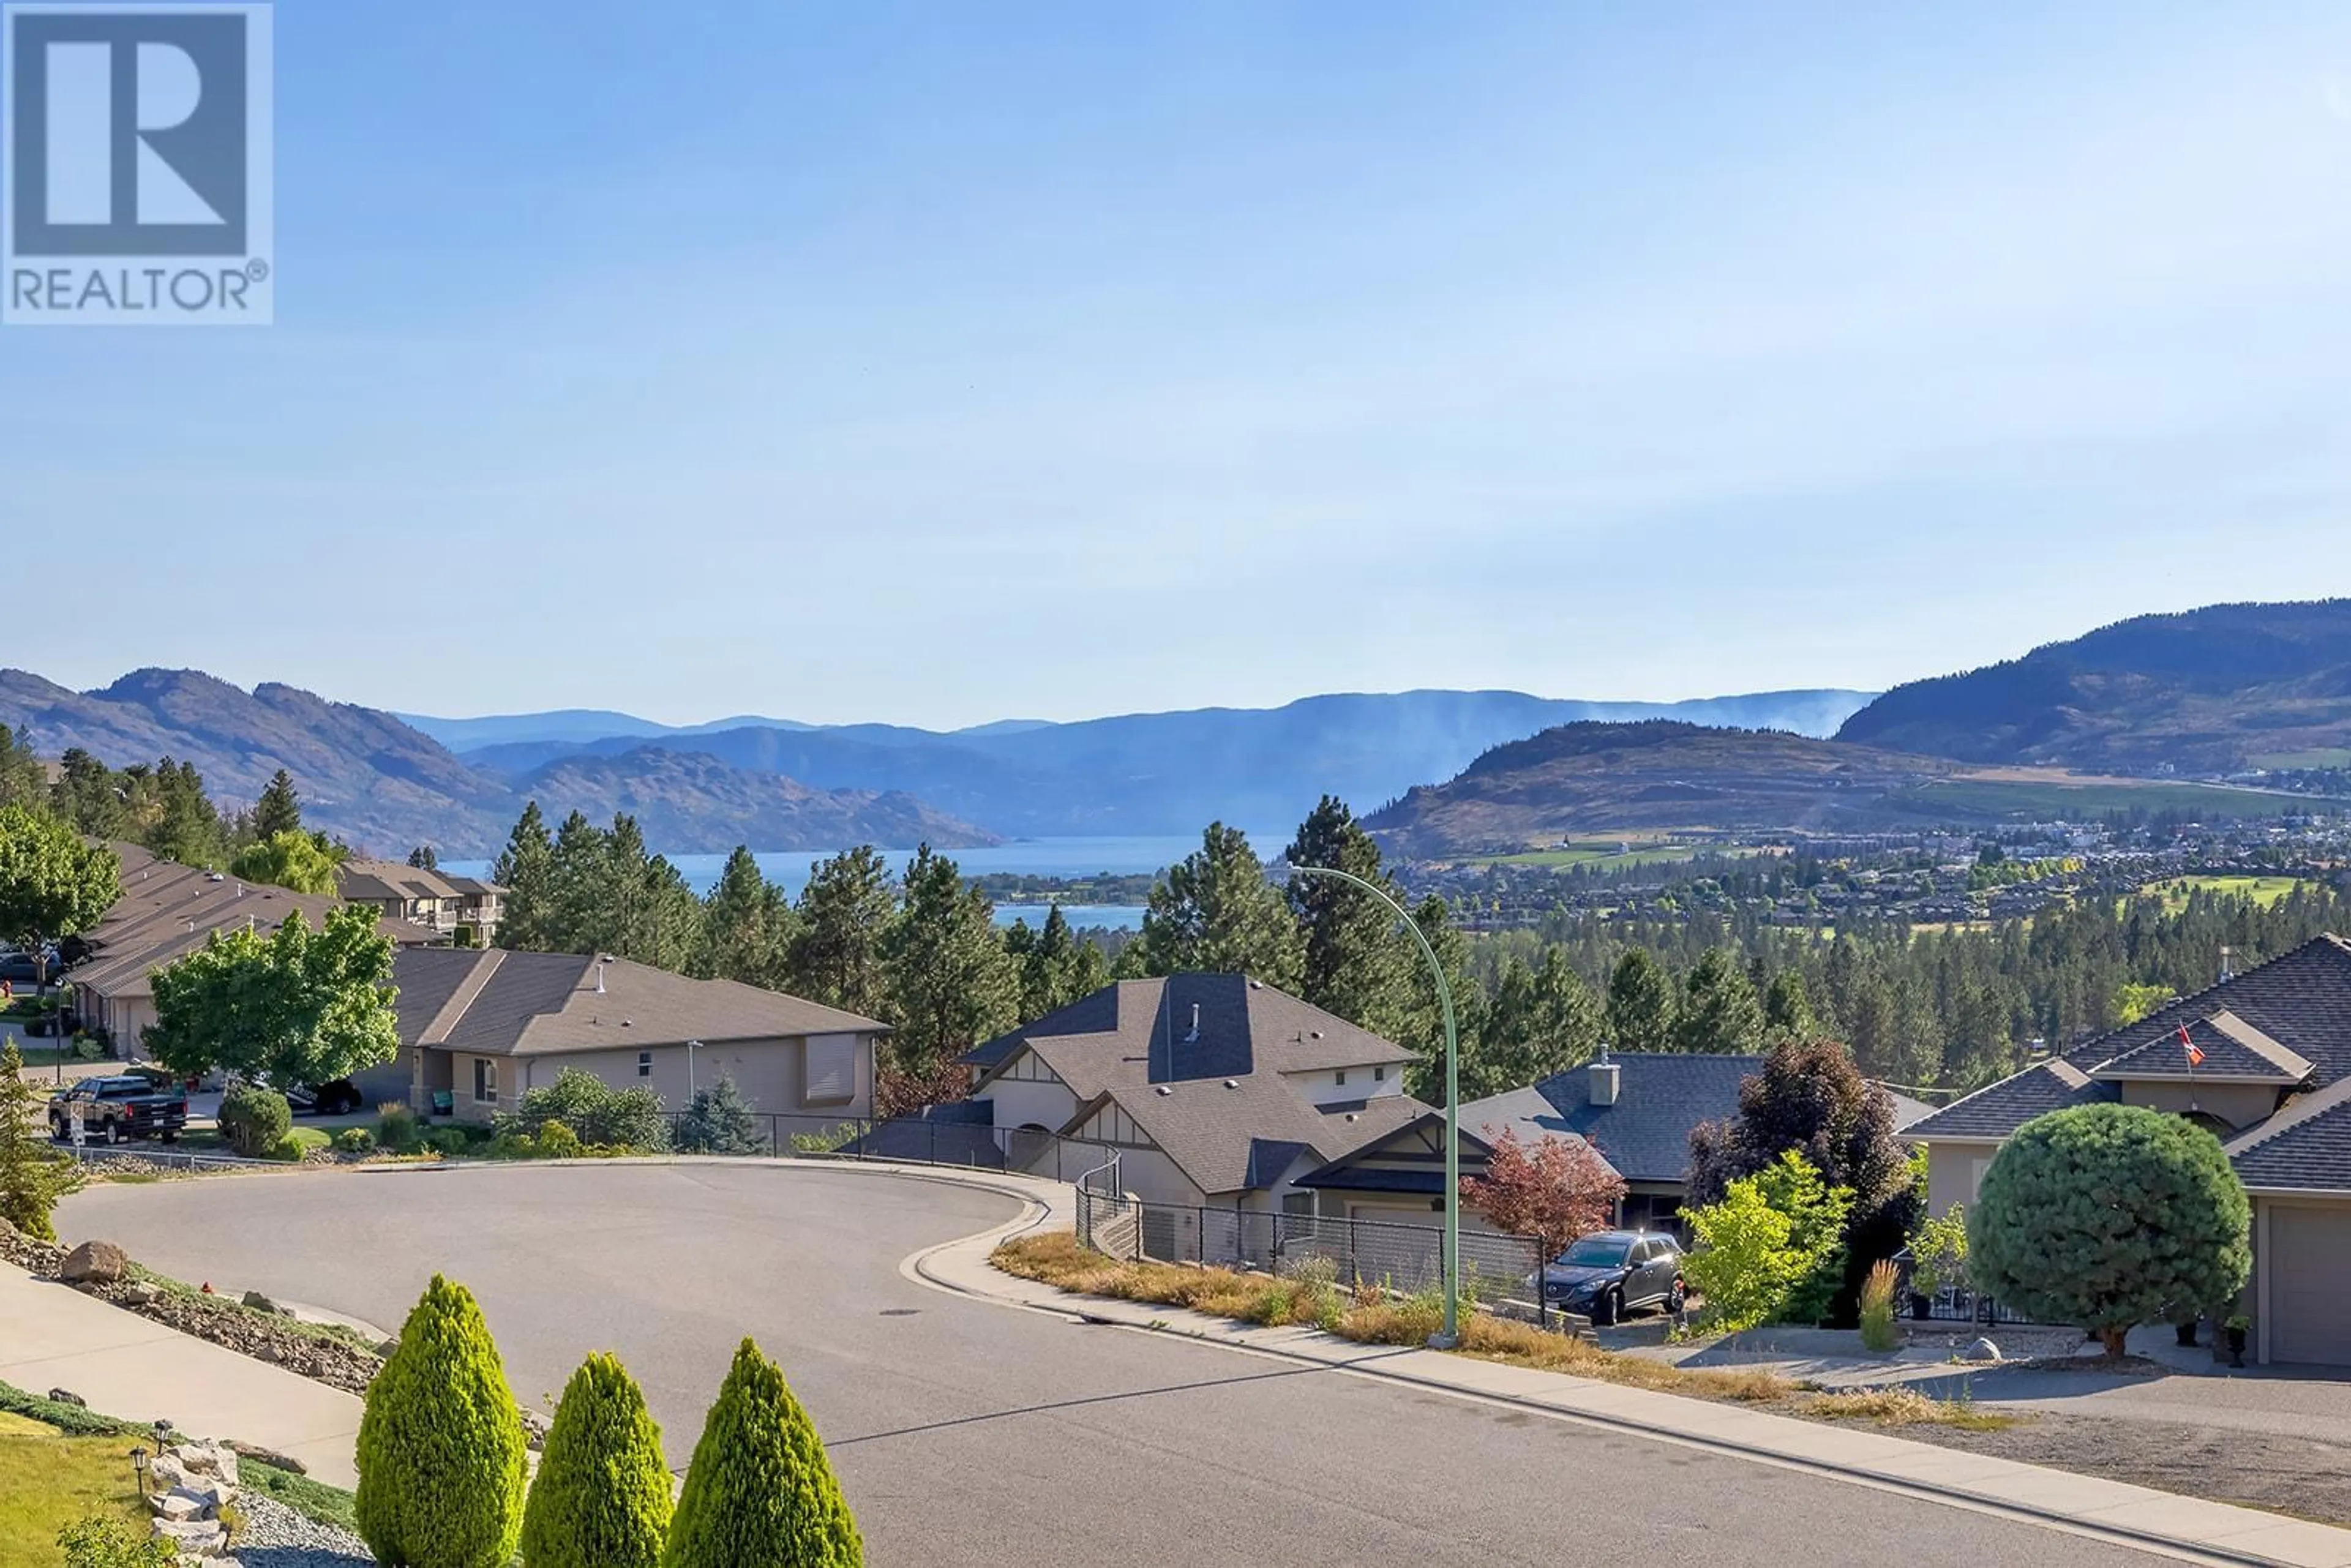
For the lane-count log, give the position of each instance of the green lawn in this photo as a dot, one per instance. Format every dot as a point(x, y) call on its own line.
point(2323, 757)
point(2264, 891)
point(2035, 801)
point(48, 1480)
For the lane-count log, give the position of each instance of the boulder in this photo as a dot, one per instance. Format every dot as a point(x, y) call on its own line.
point(203, 1499)
point(267, 1457)
point(94, 1263)
point(66, 1397)
point(194, 1537)
point(259, 1303)
point(1983, 1350)
point(175, 1505)
point(166, 1472)
point(141, 1293)
point(209, 1459)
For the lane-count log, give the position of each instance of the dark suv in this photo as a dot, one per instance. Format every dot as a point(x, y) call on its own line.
point(129, 1105)
point(1606, 1274)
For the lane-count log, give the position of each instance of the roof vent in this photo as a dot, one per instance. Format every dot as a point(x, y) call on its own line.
point(1257, 985)
point(1351, 1116)
point(1194, 1038)
point(627, 1023)
point(600, 975)
point(1316, 1035)
point(1163, 1089)
point(1232, 1082)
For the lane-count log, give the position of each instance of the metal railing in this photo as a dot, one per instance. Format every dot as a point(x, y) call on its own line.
point(1953, 1303)
point(914, 1140)
point(166, 1155)
point(1498, 1269)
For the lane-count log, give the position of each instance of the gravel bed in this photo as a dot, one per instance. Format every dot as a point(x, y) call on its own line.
point(275, 1536)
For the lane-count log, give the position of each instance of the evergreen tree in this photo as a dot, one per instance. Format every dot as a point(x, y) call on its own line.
point(1056, 967)
point(24, 781)
point(719, 1121)
point(1787, 1008)
point(602, 1497)
point(1355, 962)
point(185, 828)
point(441, 1443)
point(525, 869)
point(88, 796)
point(747, 925)
point(1641, 1003)
point(1424, 1028)
point(836, 953)
point(32, 1177)
point(1719, 1014)
point(952, 984)
point(1535, 1023)
point(424, 857)
point(1214, 913)
point(760, 1493)
point(279, 809)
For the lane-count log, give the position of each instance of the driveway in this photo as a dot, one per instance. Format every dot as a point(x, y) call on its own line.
point(967, 1433)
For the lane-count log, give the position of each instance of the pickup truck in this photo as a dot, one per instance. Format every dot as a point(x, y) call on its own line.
point(128, 1105)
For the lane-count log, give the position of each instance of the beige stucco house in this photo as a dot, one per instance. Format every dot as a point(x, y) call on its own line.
point(2273, 1084)
point(480, 1029)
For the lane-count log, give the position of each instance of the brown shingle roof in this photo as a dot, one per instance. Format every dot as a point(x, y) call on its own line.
point(1213, 1127)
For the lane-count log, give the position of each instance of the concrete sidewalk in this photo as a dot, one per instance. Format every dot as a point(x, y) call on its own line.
point(2131, 1515)
point(52, 1336)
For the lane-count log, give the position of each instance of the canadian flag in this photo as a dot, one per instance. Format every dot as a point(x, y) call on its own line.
point(2195, 1051)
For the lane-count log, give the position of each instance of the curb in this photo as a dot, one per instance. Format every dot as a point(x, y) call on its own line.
point(2116, 1534)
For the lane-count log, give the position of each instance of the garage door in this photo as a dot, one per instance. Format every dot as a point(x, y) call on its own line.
point(2310, 1286)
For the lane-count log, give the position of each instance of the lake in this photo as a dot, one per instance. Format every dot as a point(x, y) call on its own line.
point(1079, 856)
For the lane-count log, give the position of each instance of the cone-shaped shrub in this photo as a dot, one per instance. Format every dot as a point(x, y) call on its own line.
point(601, 1496)
point(760, 1493)
point(441, 1445)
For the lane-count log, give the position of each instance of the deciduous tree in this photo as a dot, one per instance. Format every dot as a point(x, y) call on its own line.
point(32, 1175)
point(1555, 1191)
point(298, 1006)
point(2105, 1217)
point(306, 862)
point(52, 885)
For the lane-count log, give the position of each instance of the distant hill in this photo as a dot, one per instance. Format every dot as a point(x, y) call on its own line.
point(1598, 778)
point(383, 786)
point(2212, 691)
point(1165, 772)
point(688, 802)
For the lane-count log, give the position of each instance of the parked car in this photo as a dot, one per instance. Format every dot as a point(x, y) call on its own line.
point(20, 968)
point(125, 1106)
point(1608, 1273)
point(334, 1099)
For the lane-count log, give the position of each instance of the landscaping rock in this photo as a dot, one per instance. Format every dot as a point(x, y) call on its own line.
point(66, 1397)
point(167, 1473)
point(259, 1303)
point(1982, 1350)
point(194, 1537)
point(278, 1536)
point(268, 1456)
point(94, 1263)
point(140, 1294)
point(209, 1459)
point(533, 1428)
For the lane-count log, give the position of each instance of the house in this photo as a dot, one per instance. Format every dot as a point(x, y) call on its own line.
point(2273, 1084)
point(166, 911)
point(453, 906)
point(479, 1028)
point(1213, 1090)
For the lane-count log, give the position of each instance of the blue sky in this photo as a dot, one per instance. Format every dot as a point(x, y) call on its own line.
point(947, 362)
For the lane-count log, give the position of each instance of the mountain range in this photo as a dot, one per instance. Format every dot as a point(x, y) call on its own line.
point(2225, 689)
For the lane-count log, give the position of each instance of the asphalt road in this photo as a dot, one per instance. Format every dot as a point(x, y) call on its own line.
point(967, 1433)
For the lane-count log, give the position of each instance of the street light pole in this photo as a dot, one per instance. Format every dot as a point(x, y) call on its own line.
point(691, 1047)
point(1450, 1335)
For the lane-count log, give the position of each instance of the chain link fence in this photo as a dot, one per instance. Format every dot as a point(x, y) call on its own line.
point(913, 1140)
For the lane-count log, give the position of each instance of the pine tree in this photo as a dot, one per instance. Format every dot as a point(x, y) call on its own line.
point(424, 857)
point(1788, 1007)
point(185, 827)
point(1719, 1014)
point(1424, 1031)
point(1641, 1004)
point(760, 1493)
point(441, 1443)
point(952, 984)
point(1057, 966)
point(525, 869)
point(1355, 962)
point(747, 926)
point(279, 809)
point(32, 1177)
point(836, 953)
point(602, 1497)
point(1214, 913)
point(23, 781)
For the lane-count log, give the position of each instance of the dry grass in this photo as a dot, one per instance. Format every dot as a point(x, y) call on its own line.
point(1905, 1407)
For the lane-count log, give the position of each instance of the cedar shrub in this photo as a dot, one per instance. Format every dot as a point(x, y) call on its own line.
point(441, 1443)
point(760, 1493)
point(602, 1498)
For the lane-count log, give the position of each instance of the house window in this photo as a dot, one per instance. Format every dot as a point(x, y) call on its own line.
point(644, 1064)
point(1298, 1202)
point(1340, 1076)
point(485, 1080)
point(1379, 1075)
point(832, 1064)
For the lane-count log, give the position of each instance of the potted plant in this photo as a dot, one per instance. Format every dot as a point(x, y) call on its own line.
point(2185, 1329)
point(2236, 1330)
point(1939, 1259)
